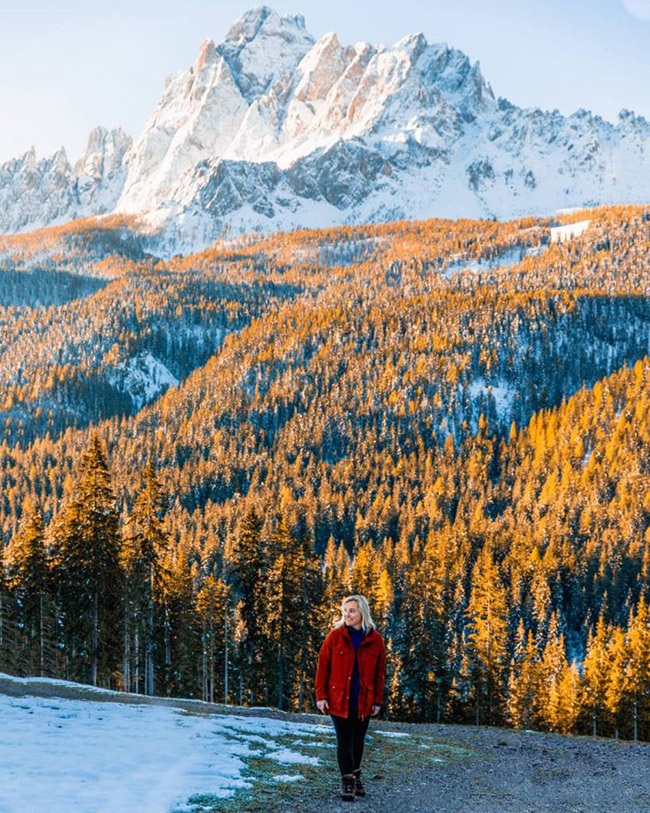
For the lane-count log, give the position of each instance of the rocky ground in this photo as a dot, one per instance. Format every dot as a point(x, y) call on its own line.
point(484, 770)
point(517, 771)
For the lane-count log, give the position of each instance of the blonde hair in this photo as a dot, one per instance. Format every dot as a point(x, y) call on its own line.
point(366, 619)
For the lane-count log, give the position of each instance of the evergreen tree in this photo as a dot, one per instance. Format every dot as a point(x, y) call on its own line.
point(565, 700)
point(487, 630)
point(286, 612)
point(617, 691)
point(596, 674)
point(145, 545)
point(249, 563)
point(639, 666)
point(523, 686)
point(90, 573)
point(213, 609)
point(30, 582)
point(8, 644)
point(181, 651)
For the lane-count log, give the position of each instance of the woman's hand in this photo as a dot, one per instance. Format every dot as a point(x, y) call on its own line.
point(375, 711)
point(323, 706)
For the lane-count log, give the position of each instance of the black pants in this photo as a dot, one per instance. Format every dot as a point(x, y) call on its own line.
point(350, 734)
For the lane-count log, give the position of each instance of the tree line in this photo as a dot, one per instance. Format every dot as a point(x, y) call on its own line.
point(526, 602)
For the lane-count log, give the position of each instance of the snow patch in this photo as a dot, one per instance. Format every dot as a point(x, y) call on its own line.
point(288, 757)
point(561, 233)
point(506, 260)
point(143, 377)
point(73, 756)
point(394, 734)
point(288, 777)
point(503, 395)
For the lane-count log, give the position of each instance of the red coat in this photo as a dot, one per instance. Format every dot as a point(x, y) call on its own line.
point(335, 666)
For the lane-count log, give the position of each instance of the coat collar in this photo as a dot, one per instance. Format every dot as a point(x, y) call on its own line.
point(342, 633)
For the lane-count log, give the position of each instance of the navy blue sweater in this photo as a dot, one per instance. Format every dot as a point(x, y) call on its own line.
point(356, 636)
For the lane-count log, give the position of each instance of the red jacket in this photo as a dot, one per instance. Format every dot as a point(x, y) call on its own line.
point(335, 666)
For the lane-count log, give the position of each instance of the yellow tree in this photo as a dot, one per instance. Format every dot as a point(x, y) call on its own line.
point(523, 686)
point(639, 664)
point(486, 635)
point(565, 700)
point(596, 673)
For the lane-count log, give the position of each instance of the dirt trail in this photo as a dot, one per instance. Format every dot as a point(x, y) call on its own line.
point(516, 771)
point(503, 770)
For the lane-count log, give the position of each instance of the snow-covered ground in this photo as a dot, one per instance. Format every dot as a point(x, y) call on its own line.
point(561, 233)
point(506, 260)
point(502, 393)
point(143, 377)
point(79, 756)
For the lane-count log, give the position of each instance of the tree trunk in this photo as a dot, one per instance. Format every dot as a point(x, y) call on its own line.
point(149, 677)
point(94, 649)
point(225, 657)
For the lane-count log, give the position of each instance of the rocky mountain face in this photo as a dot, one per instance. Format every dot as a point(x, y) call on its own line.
point(271, 129)
point(41, 192)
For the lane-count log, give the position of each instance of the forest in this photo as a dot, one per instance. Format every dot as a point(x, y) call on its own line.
point(450, 417)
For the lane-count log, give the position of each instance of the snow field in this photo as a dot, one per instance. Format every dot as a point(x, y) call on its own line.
point(75, 756)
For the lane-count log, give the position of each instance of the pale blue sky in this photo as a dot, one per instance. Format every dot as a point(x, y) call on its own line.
point(69, 65)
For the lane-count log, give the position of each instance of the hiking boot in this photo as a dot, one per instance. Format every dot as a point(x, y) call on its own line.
point(347, 787)
point(359, 789)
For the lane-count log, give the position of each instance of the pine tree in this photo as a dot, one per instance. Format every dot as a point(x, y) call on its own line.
point(213, 608)
point(639, 665)
point(285, 616)
point(145, 545)
point(596, 674)
point(89, 570)
point(181, 651)
point(249, 563)
point(523, 686)
point(565, 700)
point(8, 643)
point(617, 692)
point(30, 582)
point(551, 669)
point(487, 630)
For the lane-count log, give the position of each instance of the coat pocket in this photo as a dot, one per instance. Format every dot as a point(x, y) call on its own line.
point(335, 692)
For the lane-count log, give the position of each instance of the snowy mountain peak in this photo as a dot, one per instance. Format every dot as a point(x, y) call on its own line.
point(263, 19)
point(104, 153)
point(207, 56)
point(39, 191)
point(270, 129)
point(263, 46)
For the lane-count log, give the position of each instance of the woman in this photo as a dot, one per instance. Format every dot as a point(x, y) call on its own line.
point(350, 686)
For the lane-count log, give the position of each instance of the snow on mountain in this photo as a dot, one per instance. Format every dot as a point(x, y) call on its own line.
point(38, 192)
point(270, 129)
point(143, 377)
point(561, 233)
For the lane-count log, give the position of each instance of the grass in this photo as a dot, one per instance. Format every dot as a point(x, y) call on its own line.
point(386, 759)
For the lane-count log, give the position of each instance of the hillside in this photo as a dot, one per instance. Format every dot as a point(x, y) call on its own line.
point(448, 416)
point(194, 756)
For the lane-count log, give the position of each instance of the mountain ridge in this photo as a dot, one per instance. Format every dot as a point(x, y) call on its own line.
point(270, 129)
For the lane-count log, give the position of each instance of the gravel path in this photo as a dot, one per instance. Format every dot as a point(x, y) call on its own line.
point(518, 771)
point(502, 770)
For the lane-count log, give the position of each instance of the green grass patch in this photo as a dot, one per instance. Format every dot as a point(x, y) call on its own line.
point(386, 760)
